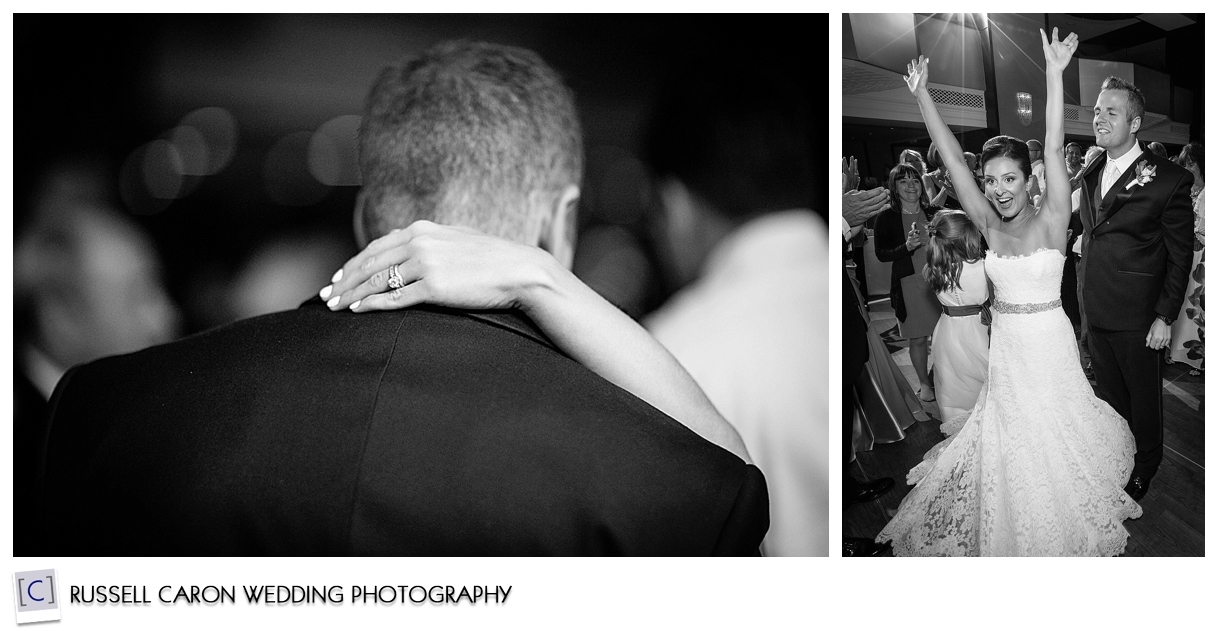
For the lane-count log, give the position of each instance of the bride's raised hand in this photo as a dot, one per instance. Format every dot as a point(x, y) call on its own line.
point(1058, 54)
point(440, 265)
point(917, 77)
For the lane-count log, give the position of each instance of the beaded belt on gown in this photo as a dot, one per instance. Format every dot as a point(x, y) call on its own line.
point(1027, 307)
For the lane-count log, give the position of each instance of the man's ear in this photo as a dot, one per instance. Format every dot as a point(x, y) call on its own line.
point(1135, 125)
point(558, 231)
point(361, 238)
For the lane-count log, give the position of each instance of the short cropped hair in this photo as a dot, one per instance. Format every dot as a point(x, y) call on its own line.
point(470, 134)
point(1137, 102)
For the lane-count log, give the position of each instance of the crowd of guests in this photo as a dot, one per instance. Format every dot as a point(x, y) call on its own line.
point(940, 296)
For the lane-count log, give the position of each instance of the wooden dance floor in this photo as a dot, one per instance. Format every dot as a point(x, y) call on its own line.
point(1173, 520)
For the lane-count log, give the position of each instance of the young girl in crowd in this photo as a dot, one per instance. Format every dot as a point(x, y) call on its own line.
point(955, 271)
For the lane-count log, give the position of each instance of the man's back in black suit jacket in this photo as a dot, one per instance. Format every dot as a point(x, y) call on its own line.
point(415, 432)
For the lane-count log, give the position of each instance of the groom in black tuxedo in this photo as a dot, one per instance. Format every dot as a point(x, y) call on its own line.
point(1137, 248)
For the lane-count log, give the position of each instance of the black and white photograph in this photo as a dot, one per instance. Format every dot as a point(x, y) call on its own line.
point(420, 285)
point(1024, 302)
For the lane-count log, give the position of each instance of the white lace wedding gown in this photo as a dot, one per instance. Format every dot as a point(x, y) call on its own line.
point(1039, 467)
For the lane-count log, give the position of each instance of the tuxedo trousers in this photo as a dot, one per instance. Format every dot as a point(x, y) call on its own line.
point(1128, 377)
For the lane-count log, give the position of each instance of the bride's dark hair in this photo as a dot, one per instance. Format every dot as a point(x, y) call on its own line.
point(1007, 147)
point(953, 240)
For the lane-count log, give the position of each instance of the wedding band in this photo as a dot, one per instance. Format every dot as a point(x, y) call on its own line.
point(395, 279)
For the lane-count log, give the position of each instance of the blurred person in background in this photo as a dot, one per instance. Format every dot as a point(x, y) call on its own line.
point(1188, 331)
point(87, 284)
point(974, 165)
point(882, 403)
point(735, 159)
point(1036, 151)
point(941, 177)
point(857, 208)
point(1157, 148)
point(1074, 158)
point(283, 272)
point(856, 247)
point(900, 234)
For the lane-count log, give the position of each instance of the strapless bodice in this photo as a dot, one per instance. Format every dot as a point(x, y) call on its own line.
point(1034, 278)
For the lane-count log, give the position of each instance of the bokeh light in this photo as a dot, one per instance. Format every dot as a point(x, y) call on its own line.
point(333, 154)
point(217, 131)
point(286, 175)
point(191, 148)
point(610, 259)
point(150, 177)
point(162, 169)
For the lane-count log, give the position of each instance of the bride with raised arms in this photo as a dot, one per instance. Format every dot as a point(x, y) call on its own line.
point(1040, 465)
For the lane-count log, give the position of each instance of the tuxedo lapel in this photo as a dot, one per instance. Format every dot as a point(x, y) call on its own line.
point(1091, 178)
point(1119, 193)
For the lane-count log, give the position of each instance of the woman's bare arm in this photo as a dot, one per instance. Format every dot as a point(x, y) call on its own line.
point(971, 200)
point(462, 268)
point(1056, 205)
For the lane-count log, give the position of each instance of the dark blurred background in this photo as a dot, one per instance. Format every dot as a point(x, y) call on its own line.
point(230, 139)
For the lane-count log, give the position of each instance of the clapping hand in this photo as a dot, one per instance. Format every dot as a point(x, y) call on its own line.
point(1058, 54)
point(913, 240)
point(918, 75)
point(850, 168)
point(859, 206)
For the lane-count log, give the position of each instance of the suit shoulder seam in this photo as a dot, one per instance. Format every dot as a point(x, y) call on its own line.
point(359, 466)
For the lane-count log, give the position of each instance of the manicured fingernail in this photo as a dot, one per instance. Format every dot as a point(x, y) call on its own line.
point(337, 276)
point(334, 302)
point(325, 291)
point(355, 305)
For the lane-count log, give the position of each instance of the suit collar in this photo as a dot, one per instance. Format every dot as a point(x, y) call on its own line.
point(510, 319)
point(1090, 166)
point(1128, 158)
point(1120, 192)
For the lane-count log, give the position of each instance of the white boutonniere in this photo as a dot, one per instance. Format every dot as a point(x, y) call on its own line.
point(1144, 175)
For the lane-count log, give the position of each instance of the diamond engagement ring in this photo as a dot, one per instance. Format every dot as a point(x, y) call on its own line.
point(395, 279)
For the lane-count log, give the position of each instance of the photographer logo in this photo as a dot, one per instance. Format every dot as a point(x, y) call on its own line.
point(36, 596)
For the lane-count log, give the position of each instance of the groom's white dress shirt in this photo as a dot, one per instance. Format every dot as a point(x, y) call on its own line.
point(1114, 168)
